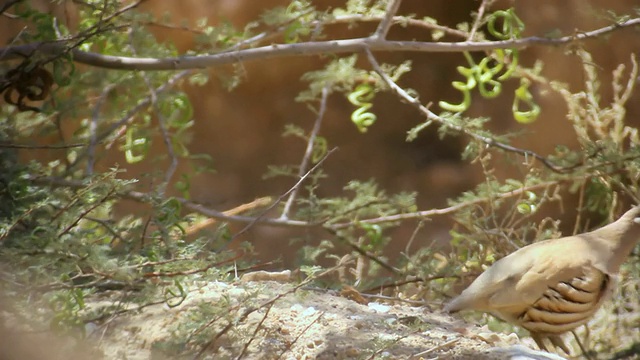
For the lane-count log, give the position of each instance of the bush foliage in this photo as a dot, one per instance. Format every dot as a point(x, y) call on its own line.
point(62, 244)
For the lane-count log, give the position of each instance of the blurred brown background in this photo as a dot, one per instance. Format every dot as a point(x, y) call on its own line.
point(241, 129)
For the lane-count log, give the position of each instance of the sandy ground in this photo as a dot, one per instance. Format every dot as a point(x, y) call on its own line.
point(304, 324)
point(269, 320)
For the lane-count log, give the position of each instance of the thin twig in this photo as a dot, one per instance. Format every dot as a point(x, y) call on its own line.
point(360, 250)
point(188, 204)
point(255, 332)
point(374, 355)
point(387, 20)
point(393, 299)
point(267, 35)
point(106, 225)
point(199, 208)
point(204, 210)
point(308, 151)
point(476, 24)
point(143, 104)
point(201, 225)
point(123, 311)
point(154, 274)
point(404, 20)
point(304, 331)
point(379, 288)
point(93, 127)
point(123, 10)
point(162, 122)
point(437, 347)
point(87, 211)
point(414, 235)
point(41, 147)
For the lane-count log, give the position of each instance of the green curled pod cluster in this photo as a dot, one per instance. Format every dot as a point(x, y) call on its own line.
point(487, 86)
point(465, 88)
point(512, 28)
point(503, 25)
point(484, 76)
point(361, 97)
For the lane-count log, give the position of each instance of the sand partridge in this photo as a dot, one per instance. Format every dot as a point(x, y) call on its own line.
point(553, 286)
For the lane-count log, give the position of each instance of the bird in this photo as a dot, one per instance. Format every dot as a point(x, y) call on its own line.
point(553, 286)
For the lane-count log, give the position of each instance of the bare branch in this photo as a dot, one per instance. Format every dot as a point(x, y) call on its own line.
point(199, 208)
point(299, 49)
point(255, 331)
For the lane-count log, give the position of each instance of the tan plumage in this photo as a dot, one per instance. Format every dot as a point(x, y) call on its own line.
point(554, 286)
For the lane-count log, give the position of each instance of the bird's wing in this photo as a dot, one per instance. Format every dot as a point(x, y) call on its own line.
point(557, 261)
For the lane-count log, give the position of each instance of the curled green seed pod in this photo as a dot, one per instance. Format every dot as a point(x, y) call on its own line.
point(361, 97)
point(523, 95)
point(465, 88)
